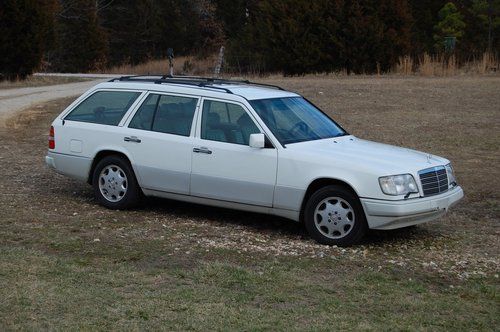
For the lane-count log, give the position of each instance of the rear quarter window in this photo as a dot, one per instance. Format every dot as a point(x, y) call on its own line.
point(104, 107)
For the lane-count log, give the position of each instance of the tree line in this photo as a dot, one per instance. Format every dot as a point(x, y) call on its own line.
point(292, 36)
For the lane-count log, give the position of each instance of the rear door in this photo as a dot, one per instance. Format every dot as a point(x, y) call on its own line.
point(225, 167)
point(95, 120)
point(159, 139)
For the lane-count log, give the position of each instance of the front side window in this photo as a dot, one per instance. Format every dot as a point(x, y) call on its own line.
point(226, 122)
point(294, 120)
point(165, 114)
point(104, 107)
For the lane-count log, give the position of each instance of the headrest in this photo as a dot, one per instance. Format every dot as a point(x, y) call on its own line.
point(175, 110)
point(244, 120)
point(147, 109)
point(213, 119)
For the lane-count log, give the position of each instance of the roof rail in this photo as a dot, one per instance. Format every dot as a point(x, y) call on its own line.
point(162, 80)
point(199, 81)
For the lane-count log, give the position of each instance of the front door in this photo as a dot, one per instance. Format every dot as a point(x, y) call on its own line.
point(224, 166)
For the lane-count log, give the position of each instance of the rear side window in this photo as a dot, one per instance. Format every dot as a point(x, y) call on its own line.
point(104, 107)
point(165, 114)
point(143, 118)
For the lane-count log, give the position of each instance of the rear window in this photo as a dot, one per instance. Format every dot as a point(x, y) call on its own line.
point(104, 107)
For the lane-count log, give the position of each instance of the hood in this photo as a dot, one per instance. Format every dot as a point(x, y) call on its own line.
point(387, 159)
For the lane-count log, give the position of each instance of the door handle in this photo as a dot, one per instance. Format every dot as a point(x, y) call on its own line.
point(202, 150)
point(132, 139)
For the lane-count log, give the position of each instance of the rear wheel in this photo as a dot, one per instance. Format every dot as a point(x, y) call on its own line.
point(114, 182)
point(333, 215)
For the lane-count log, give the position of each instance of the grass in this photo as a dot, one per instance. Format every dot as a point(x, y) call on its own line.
point(186, 65)
point(34, 81)
point(67, 263)
point(425, 65)
point(69, 293)
point(440, 65)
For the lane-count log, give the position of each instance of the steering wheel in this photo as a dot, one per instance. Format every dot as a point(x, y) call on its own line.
point(300, 126)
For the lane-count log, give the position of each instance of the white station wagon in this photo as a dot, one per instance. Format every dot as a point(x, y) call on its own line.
point(244, 146)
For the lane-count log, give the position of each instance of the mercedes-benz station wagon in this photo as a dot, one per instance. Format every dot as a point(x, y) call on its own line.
point(245, 146)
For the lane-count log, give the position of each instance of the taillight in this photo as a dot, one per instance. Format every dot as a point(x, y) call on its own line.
point(52, 140)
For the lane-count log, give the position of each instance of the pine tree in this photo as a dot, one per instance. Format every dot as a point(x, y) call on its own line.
point(138, 30)
point(26, 30)
point(483, 26)
point(450, 25)
point(397, 22)
point(80, 41)
point(132, 30)
point(232, 14)
point(211, 31)
point(425, 17)
point(300, 36)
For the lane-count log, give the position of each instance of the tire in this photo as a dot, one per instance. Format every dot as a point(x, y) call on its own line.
point(333, 215)
point(115, 185)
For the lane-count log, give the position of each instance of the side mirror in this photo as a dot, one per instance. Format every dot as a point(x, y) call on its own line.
point(257, 141)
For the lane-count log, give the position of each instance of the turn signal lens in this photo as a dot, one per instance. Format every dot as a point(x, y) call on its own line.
point(451, 175)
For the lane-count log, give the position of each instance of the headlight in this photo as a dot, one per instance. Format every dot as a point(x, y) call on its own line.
point(398, 184)
point(452, 181)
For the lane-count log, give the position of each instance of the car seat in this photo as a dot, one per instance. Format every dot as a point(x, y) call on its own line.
point(162, 121)
point(180, 123)
point(247, 127)
point(143, 118)
point(213, 131)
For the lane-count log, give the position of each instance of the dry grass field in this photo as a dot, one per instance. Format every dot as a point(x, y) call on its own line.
point(67, 263)
point(426, 66)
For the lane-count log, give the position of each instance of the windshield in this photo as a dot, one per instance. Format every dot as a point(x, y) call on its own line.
point(294, 120)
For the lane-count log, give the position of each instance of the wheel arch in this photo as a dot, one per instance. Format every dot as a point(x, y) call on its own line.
point(103, 154)
point(319, 183)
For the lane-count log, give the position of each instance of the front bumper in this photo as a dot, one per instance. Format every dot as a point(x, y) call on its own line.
point(382, 214)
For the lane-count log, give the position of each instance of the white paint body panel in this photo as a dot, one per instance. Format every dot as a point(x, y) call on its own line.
point(235, 173)
point(267, 180)
point(357, 162)
point(162, 161)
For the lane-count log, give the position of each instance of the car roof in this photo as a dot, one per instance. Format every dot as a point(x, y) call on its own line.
point(206, 87)
point(256, 92)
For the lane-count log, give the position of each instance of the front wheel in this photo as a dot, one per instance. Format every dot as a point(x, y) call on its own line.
point(333, 215)
point(114, 183)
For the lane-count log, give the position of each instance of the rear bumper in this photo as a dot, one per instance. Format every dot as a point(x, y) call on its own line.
point(73, 166)
point(49, 160)
point(382, 214)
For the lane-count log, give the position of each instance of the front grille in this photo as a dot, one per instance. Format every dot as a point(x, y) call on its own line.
point(434, 180)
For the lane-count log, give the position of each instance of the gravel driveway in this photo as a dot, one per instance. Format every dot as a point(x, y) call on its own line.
point(13, 100)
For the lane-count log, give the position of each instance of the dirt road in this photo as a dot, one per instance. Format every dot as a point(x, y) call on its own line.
point(13, 100)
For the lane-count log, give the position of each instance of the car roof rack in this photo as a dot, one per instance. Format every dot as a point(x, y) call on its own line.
point(198, 81)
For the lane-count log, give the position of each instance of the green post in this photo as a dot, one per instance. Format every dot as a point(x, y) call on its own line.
point(449, 44)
